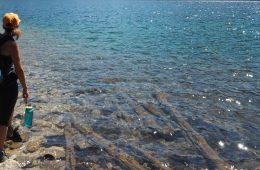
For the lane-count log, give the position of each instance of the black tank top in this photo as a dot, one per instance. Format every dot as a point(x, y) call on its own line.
point(8, 68)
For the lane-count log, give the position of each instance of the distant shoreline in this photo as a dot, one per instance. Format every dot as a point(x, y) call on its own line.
point(217, 1)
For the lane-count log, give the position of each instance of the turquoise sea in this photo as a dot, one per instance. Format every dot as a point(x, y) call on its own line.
point(169, 84)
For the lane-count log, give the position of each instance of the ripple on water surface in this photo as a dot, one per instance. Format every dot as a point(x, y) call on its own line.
point(150, 84)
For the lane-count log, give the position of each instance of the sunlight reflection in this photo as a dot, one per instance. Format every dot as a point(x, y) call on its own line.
point(242, 146)
point(221, 144)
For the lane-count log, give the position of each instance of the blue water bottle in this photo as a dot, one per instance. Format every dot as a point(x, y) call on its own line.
point(28, 117)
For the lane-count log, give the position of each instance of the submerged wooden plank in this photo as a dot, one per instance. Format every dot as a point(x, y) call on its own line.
point(118, 153)
point(193, 135)
point(70, 159)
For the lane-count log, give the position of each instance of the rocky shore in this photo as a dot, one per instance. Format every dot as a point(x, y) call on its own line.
point(35, 147)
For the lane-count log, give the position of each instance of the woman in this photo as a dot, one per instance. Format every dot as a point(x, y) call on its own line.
point(11, 69)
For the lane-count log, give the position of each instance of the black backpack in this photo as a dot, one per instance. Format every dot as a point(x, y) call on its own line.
point(3, 70)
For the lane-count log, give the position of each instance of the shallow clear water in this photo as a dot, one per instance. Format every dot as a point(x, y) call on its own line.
point(151, 78)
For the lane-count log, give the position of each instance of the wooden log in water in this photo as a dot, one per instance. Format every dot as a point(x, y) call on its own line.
point(118, 153)
point(193, 135)
point(70, 159)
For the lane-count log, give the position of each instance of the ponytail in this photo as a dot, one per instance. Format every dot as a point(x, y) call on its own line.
point(17, 33)
point(14, 32)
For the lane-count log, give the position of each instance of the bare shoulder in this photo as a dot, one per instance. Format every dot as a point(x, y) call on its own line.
point(12, 44)
point(10, 47)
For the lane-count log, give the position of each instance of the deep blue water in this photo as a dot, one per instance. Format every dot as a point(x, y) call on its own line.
point(105, 60)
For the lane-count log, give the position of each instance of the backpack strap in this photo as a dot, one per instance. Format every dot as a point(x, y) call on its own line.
point(4, 39)
point(4, 71)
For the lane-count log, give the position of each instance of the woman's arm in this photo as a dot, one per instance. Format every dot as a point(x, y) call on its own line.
point(15, 54)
